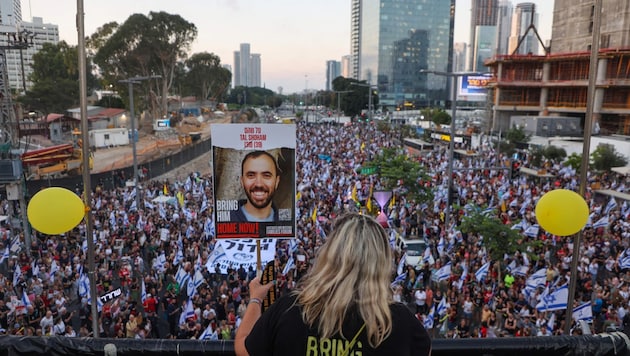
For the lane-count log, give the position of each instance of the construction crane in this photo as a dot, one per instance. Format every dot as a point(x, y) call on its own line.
point(10, 165)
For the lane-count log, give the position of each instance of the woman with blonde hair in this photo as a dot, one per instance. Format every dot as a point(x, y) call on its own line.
point(343, 305)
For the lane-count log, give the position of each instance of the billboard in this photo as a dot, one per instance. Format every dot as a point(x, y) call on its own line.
point(254, 180)
point(473, 87)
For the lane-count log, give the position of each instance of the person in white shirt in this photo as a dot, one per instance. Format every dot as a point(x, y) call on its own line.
point(60, 327)
point(421, 301)
point(47, 321)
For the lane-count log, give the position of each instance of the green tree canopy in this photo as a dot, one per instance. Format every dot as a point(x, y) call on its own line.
point(146, 46)
point(394, 167)
point(356, 99)
point(605, 157)
point(55, 79)
point(205, 76)
point(498, 238)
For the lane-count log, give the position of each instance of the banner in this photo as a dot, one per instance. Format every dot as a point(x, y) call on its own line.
point(254, 180)
point(237, 252)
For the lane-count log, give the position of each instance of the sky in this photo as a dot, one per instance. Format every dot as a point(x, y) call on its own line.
point(294, 37)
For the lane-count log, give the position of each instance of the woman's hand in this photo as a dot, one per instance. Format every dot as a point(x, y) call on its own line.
point(258, 290)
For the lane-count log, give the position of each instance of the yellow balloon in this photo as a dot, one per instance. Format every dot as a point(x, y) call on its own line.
point(562, 212)
point(55, 210)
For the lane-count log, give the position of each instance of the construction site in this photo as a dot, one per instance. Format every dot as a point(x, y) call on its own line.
point(557, 85)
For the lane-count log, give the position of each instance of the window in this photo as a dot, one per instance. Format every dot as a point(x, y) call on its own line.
point(106, 136)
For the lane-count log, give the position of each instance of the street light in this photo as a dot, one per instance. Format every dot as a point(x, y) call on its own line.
point(451, 146)
point(131, 82)
point(369, 86)
point(339, 92)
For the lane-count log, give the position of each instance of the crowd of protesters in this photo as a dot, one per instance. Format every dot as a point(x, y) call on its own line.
point(43, 286)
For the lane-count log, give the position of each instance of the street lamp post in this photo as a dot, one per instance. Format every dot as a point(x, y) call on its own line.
point(369, 86)
point(339, 92)
point(451, 145)
point(131, 82)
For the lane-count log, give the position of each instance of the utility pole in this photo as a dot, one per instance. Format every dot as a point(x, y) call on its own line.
point(339, 92)
point(451, 147)
point(134, 135)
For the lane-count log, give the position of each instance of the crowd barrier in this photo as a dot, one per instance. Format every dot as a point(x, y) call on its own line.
point(615, 343)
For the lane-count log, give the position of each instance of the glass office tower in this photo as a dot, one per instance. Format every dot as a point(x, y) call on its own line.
point(398, 39)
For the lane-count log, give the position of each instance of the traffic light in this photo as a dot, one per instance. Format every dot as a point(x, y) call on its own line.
point(515, 169)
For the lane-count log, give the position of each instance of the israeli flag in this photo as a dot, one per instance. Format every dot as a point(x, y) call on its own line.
point(556, 300)
point(521, 271)
point(532, 231)
point(442, 307)
point(440, 246)
point(517, 226)
point(399, 279)
point(181, 277)
point(198, 279)
point(5, 255)
point(550, 323)
point(25, 300)
point(401, 264)
point(624, 260)
point(209, 334)
point(429, 318)
point(583, 312)
point(17, 273)
point(612, 203)
point(537, 279)
point(179, 256)
point(603, 222)
point(428, 257)
point(143, 292)
point(84, 285)
point(160, 262)
point(444, 272)
point(288, 266)
point(189, 312)
point(482, 272)
point(217, 254)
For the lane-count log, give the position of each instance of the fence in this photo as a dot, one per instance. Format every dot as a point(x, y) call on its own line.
point(155, 168)
point(615, 343)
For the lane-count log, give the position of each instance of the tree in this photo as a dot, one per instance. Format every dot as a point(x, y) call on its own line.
point(394, 168)
point(437, 115)
point(498, 238)
point(146, 46)
point(206, 78)
point(357, 99)
point(605, 157)
point(55, 76)
point(515, 137)
point(574, 161)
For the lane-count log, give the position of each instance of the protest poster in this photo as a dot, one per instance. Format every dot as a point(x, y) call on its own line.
point(254, 180)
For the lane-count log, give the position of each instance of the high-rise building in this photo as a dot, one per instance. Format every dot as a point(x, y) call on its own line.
point(485, 42)
point(333, 70)
point(524, 16)
point(460, 54)
point(572, 29)
point(355, 43)
point(10, 12)
point(346, 66)
point(254, 70)
point(393, 40)
point(504, 27)
point(247, 67)
point(484, 13)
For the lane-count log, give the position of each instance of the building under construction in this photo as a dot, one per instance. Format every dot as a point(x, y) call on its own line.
point(556, 85)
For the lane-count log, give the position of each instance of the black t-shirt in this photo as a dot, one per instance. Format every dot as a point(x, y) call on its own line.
point(281, 331)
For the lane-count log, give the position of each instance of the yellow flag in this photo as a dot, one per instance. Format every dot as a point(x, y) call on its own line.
point(165, 189)
point(355, 197)
point(392, 201)
point(362, 146)
point(298, 196)
point(314, 216)
point(368, 204)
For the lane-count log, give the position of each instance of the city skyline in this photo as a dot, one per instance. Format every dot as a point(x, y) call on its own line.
point(294, 49)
